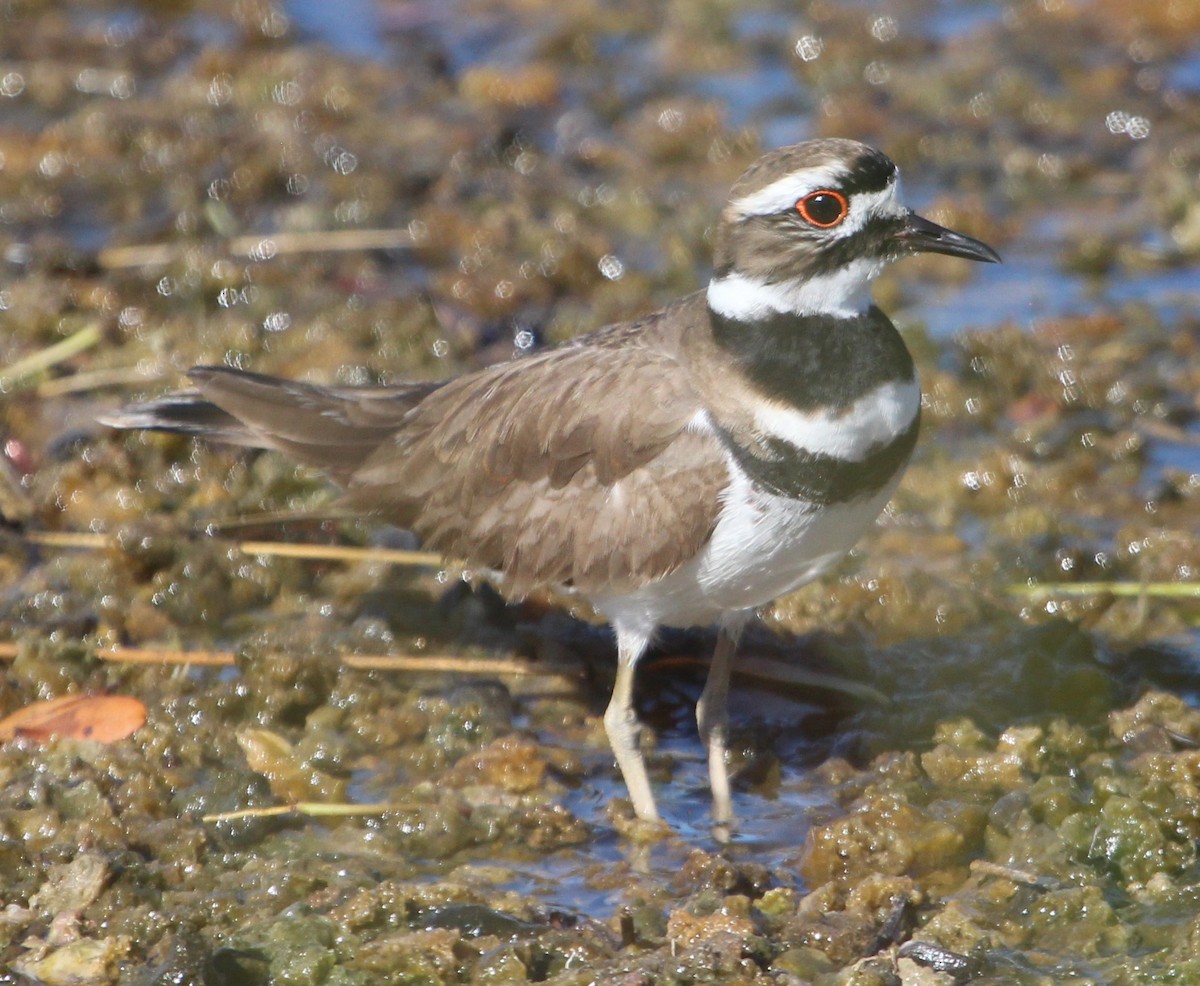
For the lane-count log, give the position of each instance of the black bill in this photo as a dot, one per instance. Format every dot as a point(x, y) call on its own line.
point(919, 235)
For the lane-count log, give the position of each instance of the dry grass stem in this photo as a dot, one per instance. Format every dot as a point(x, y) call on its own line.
point(428, 663)
point(1163, 590)
point(260, 247)
point(16, 374)
point(314, 809)
point(89, 541)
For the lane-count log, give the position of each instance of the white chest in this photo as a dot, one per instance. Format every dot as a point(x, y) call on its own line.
point(765, 544)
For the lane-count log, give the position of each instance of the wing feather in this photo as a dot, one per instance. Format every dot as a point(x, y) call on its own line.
point(576, 466)
point(541, 469)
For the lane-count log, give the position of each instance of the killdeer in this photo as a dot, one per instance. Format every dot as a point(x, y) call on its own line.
point(682, 469)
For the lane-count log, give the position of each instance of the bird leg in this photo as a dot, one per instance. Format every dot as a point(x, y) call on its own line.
point(621, 724)
point(712, 718)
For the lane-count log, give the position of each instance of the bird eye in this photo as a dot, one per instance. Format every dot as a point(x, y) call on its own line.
point(823, 209)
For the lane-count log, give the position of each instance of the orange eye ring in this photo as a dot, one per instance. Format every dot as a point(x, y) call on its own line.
point(824, 208)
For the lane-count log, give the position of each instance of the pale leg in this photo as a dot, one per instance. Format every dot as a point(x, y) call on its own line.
point(623, 728)
point(712, 717)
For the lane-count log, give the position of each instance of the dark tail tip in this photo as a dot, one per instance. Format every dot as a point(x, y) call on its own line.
point(184, 412)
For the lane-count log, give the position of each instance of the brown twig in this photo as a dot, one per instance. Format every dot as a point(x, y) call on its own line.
point(429, 663)
point(89, 541)
point(314, 809)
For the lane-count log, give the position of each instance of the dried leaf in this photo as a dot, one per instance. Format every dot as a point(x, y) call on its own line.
point(104, 718)
point(291, 779)
point(269, 754)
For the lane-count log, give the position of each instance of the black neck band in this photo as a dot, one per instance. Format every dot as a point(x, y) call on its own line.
point(816, 361)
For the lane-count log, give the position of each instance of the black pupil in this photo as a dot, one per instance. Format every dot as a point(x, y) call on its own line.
point(823, 209)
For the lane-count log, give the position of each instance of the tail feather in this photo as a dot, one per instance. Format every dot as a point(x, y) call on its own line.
point(332, 428)
point(184, 412)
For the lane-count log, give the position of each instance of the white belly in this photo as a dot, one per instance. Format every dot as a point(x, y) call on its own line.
point(763, 546)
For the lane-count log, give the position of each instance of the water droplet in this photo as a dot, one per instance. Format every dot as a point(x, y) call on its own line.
point(611, 267)
point(12, 84)
point(277, 322)
point(220, 89)
point(809, 48)
point(884, 29)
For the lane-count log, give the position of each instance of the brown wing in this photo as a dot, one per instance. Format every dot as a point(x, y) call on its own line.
point(584, 533)
point(574, 467)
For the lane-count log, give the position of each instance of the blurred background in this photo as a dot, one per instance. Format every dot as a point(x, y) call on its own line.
point(369, 191)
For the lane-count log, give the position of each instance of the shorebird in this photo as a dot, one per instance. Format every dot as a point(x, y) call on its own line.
point(682, 469)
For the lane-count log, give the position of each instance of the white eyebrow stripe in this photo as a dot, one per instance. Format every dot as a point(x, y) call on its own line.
point(785, 192)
